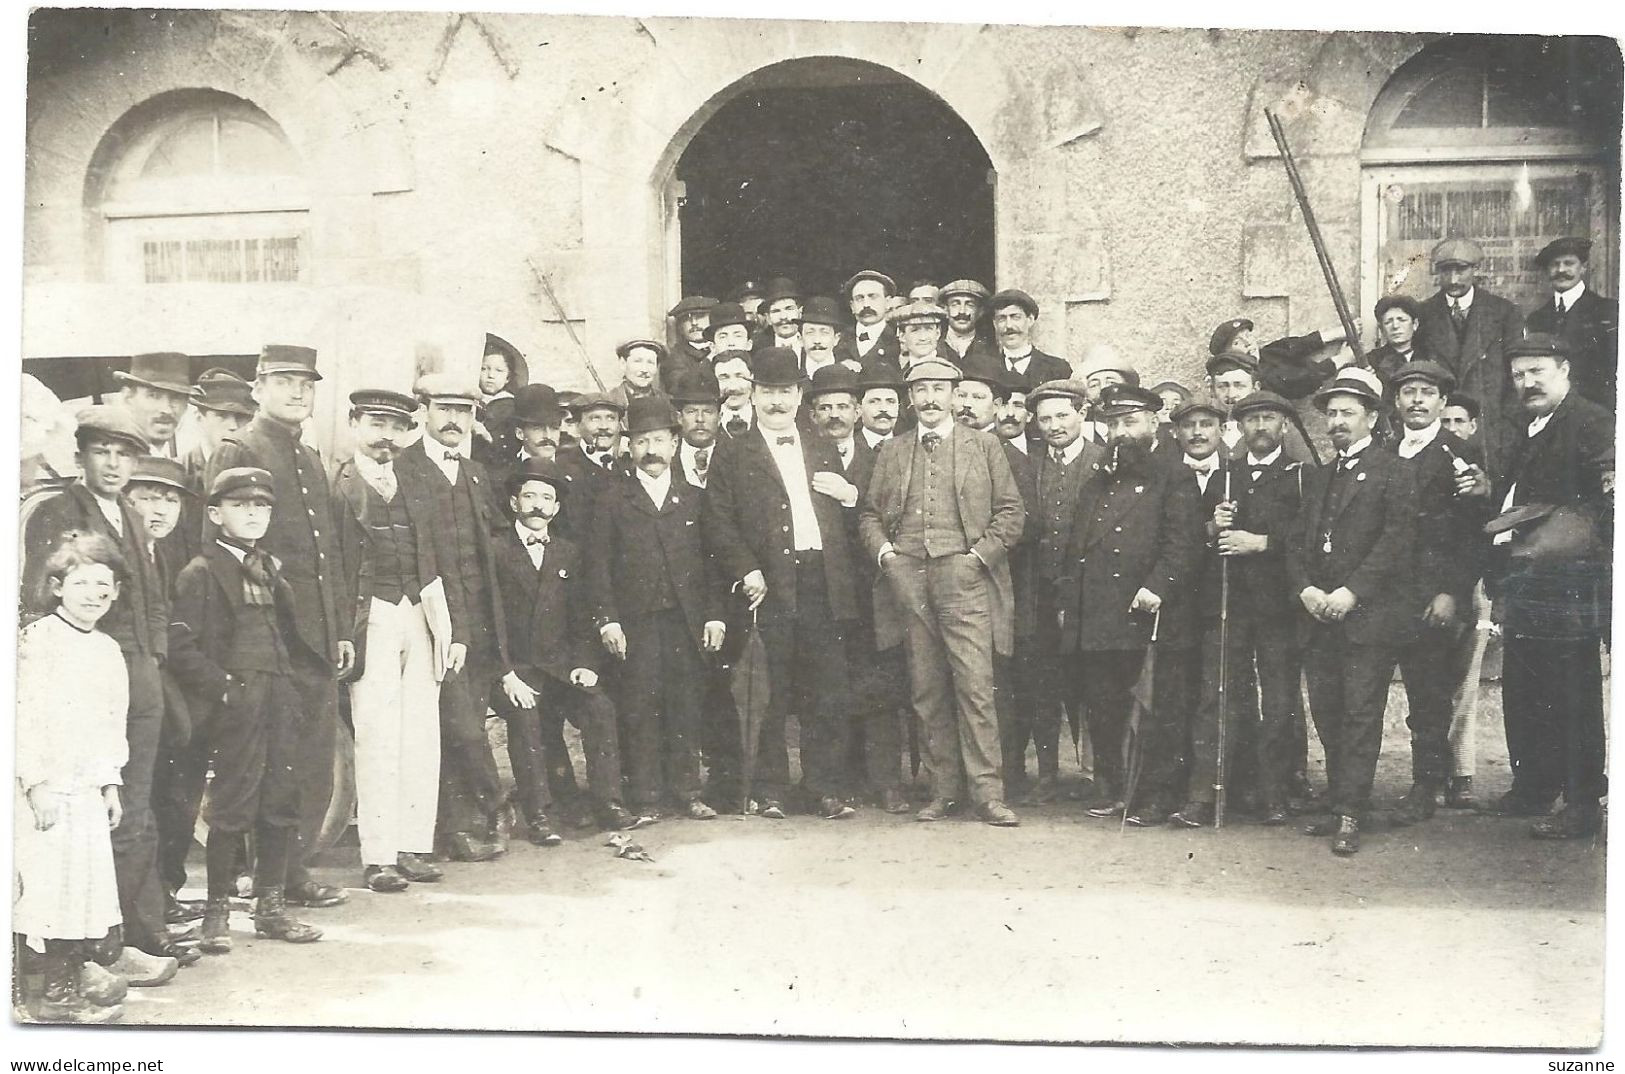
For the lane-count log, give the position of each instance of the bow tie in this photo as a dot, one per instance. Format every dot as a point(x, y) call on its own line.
point(535, 539)
point(785, 440)
point(1205, 466)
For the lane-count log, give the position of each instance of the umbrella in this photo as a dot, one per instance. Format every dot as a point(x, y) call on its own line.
point(1142, 696)
point(752, 694)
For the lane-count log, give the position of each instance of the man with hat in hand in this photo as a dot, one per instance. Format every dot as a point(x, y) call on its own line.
point(1349, 562)
point(224, 404)
point(968, 336)
point(1131, 555)
point(390, 532)
point(940, 516)
point(777, 524)
point(1015, 315)
point(1553, 587)
point(1467, 330)
point(821, 327)
point(1585, 321)
point(155, 392)
point(303, 536)
point(1445, 569)
point(1292, 366)
point(109, 443)
point(473, 809)
point(657, 606)
point(641, 361)
point(692, 347)
point(873, 342)
point(782, 307)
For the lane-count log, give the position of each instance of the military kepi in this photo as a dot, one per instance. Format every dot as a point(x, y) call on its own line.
point(1119, 399)
point(287, 358)
point(241, 483)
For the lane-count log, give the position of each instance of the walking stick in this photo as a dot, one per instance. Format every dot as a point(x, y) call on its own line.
point(1224, 654)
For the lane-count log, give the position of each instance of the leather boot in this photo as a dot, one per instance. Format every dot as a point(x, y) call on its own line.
point(216, 926)
point(1347, 839)
point(1418, 804)
point(273, 921)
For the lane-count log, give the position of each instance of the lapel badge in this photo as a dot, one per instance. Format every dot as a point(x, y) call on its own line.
point(1360, 476)
point(563, 573)
point(1138, 489)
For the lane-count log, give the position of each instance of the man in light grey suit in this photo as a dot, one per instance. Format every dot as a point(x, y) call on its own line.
point(940, 516)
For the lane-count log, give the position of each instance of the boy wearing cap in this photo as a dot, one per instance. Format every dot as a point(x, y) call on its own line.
point(224, 404)
point(1584, 320)
point(231, 642)
point(1349, 561)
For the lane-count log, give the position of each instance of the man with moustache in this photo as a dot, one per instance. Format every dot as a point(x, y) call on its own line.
point(657, 606)
point(155, 393)
point(1232, 377)
point(940, 515)
point(1585, 321)
point(641, 360)
point(820, 334)
point(389, 532)
point(1467, 330)
point(1460, 417)
point(692, 347)
point(1348, 561)
point(1013, 417)
point(473, 808)
point(735, 382)
point(879, 394)
point(1131, 554)
point(777, 524)
point(1448, 560)
point(782, 306)
point(873, 341)
point(1015, 315)
point(303, 536)
point(538, 419)
point(1555, 601)
point(967, 337)
point(698, 401)
point(590, 466)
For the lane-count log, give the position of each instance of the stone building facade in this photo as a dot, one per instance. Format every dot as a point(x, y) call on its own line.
point(390, 187)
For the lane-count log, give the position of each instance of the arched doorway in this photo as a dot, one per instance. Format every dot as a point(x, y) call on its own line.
point(814, 168)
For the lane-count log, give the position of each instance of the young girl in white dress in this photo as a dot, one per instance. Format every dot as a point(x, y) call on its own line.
point(72, 700)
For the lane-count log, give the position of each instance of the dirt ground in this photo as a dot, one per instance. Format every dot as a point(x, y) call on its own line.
point(1462, 932)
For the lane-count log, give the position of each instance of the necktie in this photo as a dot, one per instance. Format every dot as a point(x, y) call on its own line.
point(863, 335)
point(702, 462)
point(1057, 456)
point(1458, 316)
point(1560, 309)
point(785, 440)
point(931, 440)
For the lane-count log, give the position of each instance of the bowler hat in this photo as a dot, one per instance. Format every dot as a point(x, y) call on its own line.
point(450, 387)
point(869, 274)
point(1346, 384)
point(287, 358)
point(1219, 341)
point(1428, 370)
point(918, 310)
point(775, 367)
point(833, 378)
point(1261, 400)
point(1074, 390)
point(878, 375)
point(1568, 246)
point(1538, 345)
point(780, 287)
point(157, 470)
point(537, 404)
point(110, 422)
point(1456, 252)
point(387, 403)
point(963, 287)
point(626, 348)
point(691, 304)
point(1195, 406)
point(725, 313)
point(225, 392)
point(820, 309)
point(696, 386)
point(242, 482)
point(537, 469)
point(931, 369)
point(1119, 399)
point(167, 371)
point(650, 412)
point(1013, 297)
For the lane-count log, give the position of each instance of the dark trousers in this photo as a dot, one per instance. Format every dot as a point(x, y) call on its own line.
point(1551, 697)
point(592, 713)
point(135, 840)
point(254, 745)
point(1262, 671)
point(470, 787)
point(879, 694)
point(1025, 715)
point(719, 717)
point(806, 660)
point(317, 684)
point(177, 795)
point(1104, 683)
point(659, 689)
point(1348, 693)
point(1426, 664)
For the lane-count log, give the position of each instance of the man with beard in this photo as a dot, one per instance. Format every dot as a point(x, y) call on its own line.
point(782, 305)
point(879, 394)
point(735, 382)
point(939, 518)
point(1448, 560)
point(777, 525)
point(155, 393)
point(692, 348)
point(1555, 589)
point(590, 467)
point(1585, 321)
point(1015, 315)
point(303, 536)
point(820, 334)
point(1348, 561)
point(968, 337)
point(389, 532)
point(873, 341)
point(657, 605)
point(1467, 330)
point(1232, 377)
point(1131, 553)
point(473, 809)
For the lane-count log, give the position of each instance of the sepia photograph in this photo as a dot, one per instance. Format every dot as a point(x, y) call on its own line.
point(788, 525)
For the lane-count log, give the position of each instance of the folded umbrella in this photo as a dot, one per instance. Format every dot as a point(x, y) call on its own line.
point(752, 694)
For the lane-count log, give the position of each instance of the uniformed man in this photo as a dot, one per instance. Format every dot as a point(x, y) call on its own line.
point(868, 295)
point(968, 336)
point(1348, 563)
point(782, 305)
point(821, 326)
point(224, 403)
point(1467, 330)
point(1584, 320)
point(1292, 366)
point(155, 393)
point(304, 538)
point(641, 360)
point(1132, 550)
point(691, 347)
point(735, 383)
point(1015, 315)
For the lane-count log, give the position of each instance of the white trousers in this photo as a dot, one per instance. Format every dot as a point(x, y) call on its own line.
point(395, 707)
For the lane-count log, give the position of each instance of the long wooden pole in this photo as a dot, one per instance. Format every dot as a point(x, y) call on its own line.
point(558, 308)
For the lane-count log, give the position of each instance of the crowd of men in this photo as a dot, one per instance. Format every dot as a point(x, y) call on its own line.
point(934, 544)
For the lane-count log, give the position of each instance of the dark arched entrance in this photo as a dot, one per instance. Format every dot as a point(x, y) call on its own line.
point(818, 167)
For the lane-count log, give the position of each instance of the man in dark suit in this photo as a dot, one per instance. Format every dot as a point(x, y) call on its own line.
point(968, 333)
point(109, 444)
point(939, 518)
point(1466, 329)
point(734, 383)
point(821, 330)
point(554, 653)
point(1133, 546)
point(389, 532)
point(594, 462)
point(1553, 587)
point(782, 308)
point(691, 347)
point(776, 523)
point(304, 539)
point(1231, 377)
point(1348, 562)
point(657, 605)
point(1015, 315)
point(224, 404)
point(873, 342)
point(1445, 568)
point(1585, 321)
point(473, 808)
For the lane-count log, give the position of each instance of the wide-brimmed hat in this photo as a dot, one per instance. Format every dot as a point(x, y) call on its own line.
point(1347, 385)
point(166, 371)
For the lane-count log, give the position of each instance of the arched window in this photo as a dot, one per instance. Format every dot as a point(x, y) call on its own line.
point(200, 187)
point(1508, 141)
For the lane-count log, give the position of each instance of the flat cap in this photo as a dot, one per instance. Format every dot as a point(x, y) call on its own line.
point(594, 401)
point(1171, 385)
point(384, 402)
point(775, 367)
point(167, 371)
point(242, 482)
point(919, 310)
point(1013, 297)
point(1119, 399)
point(1103, 358)
point(1456, 252)
point(1568, 246)
point(1195, 406)
point(157, 470)
point(1428, 370)
point(447, 386)
point(931, 369)
point(537, 404)
point(287, 358)
point(691, 304)
point(626, 348)
point(964, 287)
point(648, 413)
point(1261, 400)
point(534, 469)
point(224, 391)
point(724, 314)
point(1348, 385)
point(869, 274)
point(1074, 390)
point(821, 309)
point(696, 386)
point(832, 378)
point(1219, 341)
point(1228, 360)
point(1538, 345)
point(112, 423)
